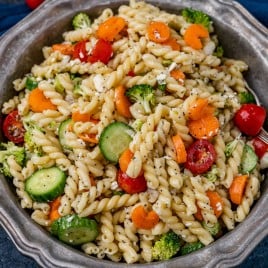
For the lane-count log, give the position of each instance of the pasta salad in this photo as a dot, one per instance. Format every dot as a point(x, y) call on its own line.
point(129, 142)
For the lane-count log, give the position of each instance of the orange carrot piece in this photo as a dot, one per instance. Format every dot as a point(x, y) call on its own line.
point(80, 117)
point(216, 202)
point(122, 102)
point(178, 75)
point(144, 219)
point(196, 108)
point(237, 188)
point(193, 35)
point(110, 28)
point(125, 159)
point(172, 42)
point(54, 206)
point(65, 49)
point(198, 215)
point(38, 101)
point(180, 149)
point(158, 32)
point(204, 128)
point(88, 137)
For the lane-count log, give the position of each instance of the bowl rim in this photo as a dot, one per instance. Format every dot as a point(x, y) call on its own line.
point(56, 254)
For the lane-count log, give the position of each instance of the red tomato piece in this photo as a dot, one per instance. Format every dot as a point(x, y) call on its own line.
point(102, 51)
point(260, 147)
point(32, 4)
point(200, 156)
point(250, 118)
point(80, 51)
point(13, 128)
point(131, 185)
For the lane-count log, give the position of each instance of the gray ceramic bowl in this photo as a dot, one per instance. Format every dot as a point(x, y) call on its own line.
point(242, 37)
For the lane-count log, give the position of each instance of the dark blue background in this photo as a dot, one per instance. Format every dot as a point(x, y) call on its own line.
point(9, 255)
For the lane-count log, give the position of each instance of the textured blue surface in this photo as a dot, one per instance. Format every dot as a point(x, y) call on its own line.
point(10, 257)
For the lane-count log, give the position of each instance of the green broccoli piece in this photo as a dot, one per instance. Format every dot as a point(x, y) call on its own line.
point(246, 97)
point(77, 81)
point(29, 145)
point(81, 21)
point(10, 149)
point(212, 175)
point(214, 229)
point(31, 83)
point(166, 247)
point(137, 124)
point(218, 52)
point(196, 16)
point(188, 248)
point(230, 147)
point(143, 94)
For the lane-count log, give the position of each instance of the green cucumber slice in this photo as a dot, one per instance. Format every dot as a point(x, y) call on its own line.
point(46, 184)
point(249, 160)
point(63, 129)
point(115, 139)
point(73, 230)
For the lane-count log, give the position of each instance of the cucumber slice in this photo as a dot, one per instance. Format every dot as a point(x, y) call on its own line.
point(46, 184)
point(249, 160)
point(114, 139)
point(73, 230)
point(63, 128)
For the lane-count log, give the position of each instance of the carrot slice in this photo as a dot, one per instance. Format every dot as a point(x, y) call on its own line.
point(88, 137)
point(180, 149)
point(178, 75)
point(54, 206)
point(237, 188)
point(204, 128)
point(65, 49)
point(196, 108)
point(193, 35)
point(198, 215)
point(172, 42)
point(38, 101)
point(216, 202)
point(144, 219)
point(80, 117)
point(158, 32)
point(110, 28)
point(122, 102)
point(125, 159)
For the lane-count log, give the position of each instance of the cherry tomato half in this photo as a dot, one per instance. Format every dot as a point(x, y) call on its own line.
point(33, 3)
point(80, 51)
point(13, 128)
point(200, 156)
point(260, 147)
point(131, 185)
point(250, 118)
point(102, 51)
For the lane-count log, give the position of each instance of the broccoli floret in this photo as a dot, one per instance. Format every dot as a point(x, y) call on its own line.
point(10, 149)
point(214, 229)
point(77, 81)
point(166, 247)
point(31, 83)
point(246, 97)
point(81, 21)
point(29, 144)
point(143, 94)
point(218, 51)
point(212, 175)
point(191, 247)
point(196, 16)
point(230, 147)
